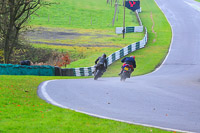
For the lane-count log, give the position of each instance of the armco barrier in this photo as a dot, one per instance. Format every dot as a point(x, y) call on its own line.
point(83, 71)
point(119, 30)
point(127, 50)
point(87, 71)
point(9, 69)
point(58, 71)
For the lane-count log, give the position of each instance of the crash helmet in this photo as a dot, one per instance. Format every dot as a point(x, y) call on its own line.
point(133, 57)
point(104, 55)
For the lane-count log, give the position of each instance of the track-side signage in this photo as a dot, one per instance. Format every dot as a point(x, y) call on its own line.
point(132, 5)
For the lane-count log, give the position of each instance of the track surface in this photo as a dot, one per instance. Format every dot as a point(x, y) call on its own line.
point(167, 98)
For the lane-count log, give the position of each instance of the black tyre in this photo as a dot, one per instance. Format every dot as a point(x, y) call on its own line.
point(97, 75)
point(123, 76)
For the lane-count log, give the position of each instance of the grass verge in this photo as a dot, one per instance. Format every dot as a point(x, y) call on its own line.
point(23, 111)
point(85, 14)
point(93, 20)
point(159, 39)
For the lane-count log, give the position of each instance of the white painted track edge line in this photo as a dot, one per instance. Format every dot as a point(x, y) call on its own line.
point(43, 86)
point(47, 97)
point(193, 6)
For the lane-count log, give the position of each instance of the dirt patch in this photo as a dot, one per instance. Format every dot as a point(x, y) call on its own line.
point(68, 37)
point(59, 34)
point(80, 45)
point(154, 40)
point(45, 34)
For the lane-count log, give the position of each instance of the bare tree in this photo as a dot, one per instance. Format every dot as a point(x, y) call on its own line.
point(13, 15)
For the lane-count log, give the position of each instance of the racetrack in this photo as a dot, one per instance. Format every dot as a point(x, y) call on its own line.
point(168, 98)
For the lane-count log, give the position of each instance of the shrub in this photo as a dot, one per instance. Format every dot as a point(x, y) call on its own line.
point(39, 56)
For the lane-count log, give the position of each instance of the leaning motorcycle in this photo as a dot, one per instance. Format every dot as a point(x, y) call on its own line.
point(99, 71)
point(126, 73)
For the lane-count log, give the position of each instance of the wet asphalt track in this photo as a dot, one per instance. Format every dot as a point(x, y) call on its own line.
point(167, 98)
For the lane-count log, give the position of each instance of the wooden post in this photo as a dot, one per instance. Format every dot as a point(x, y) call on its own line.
point(117, 10)
point(124, 21)
point(91, 20)
point(116, 5)
point(107, 1)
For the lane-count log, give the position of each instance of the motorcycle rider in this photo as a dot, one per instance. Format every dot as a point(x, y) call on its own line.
point(128, 61)
point(101, 61)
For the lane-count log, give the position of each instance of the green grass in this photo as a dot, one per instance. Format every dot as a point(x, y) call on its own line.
point(77, 16)
point(106, 39)
point(108, 42)
point(85, 14)
point(157, 47)
point(197, 0)
point(148, 58)
point(84, 55)
point(23, 111)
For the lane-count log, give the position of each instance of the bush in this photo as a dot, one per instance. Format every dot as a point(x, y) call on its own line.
point(1, 56)
point(38, 56)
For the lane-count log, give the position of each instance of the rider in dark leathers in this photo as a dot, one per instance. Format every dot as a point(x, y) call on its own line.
point(101, 61)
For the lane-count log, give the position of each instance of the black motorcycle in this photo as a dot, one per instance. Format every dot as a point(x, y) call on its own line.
point(126, 73)
point(99, 71)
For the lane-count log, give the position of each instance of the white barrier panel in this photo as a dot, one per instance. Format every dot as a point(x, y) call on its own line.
point(77, 70)
point(126, 50)
point(139, 29)
point(119, 30)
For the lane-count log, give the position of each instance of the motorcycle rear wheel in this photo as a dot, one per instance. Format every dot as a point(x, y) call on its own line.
point(123, 77)
point(97, 75)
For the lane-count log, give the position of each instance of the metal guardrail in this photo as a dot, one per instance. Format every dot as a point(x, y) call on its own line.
point(87, 71)
point(82, 71)
point(10, 69)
